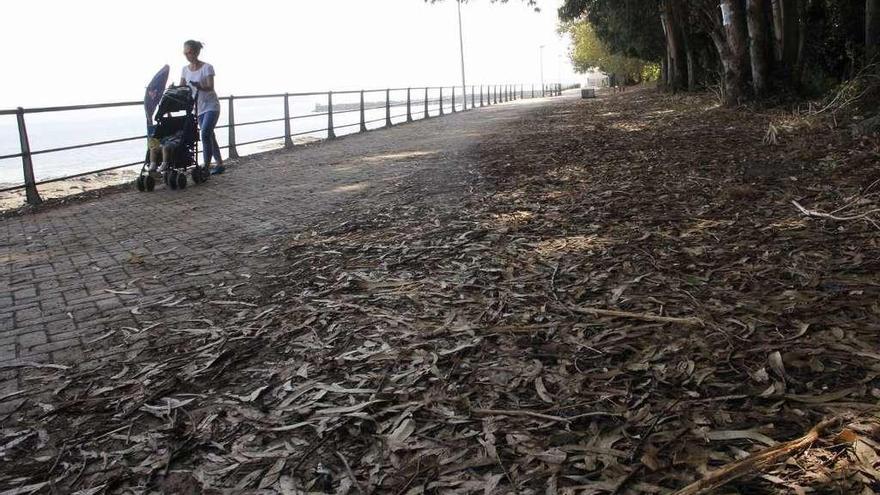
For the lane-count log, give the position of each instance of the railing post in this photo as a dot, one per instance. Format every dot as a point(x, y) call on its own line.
point(441, 101)
point(533, 90)
point(331, 132)
point(506, 93)
point(288, 143)
point(522, 95)
point(387, 107)
point(27, 164)
point(473, 98)
point(408, 106)
point(495, 94)
point(363, 119)
point(453, 99)
point(481, 96)
point(426, 103)
point(233, 151)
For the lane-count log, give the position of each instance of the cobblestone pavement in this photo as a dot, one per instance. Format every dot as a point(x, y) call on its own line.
point(70, 275)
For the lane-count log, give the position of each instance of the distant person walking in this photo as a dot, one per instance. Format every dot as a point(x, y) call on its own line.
point(199, 76)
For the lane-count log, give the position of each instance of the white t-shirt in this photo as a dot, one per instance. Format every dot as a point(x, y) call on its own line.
point(207, 99)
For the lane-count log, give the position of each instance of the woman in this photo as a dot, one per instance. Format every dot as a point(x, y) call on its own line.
point(200, 76)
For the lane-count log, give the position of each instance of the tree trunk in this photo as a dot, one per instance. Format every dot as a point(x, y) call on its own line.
point(673, 47)
point(789, 33)
point(801, 43)
point(872, 30)
point(778, 30)
point(758, 46)
point(684, 34)
point(737, 43)
point(664, 73)
point(691, 65)
point(731, 89)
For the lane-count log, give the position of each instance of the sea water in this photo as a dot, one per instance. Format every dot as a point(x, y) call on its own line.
point(76, 127)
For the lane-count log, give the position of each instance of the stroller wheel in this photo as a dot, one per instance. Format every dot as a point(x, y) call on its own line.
point(150, 183)
point(140, 184)
point(181, 180)
point(172, 179)
point(197, 174)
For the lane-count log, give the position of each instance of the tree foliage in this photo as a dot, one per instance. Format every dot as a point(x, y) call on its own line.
point(589, 52)
point(753, 48)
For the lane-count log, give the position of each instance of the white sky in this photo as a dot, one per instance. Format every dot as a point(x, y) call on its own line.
point(60, 52)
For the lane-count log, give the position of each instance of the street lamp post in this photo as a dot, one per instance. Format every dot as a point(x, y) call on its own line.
point(461, 49)
point(542, 69)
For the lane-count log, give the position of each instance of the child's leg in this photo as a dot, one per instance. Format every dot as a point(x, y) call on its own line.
point(167, 153)
point(154, 158)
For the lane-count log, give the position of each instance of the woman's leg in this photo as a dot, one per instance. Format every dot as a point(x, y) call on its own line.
point(218, 157)
point(207, 121)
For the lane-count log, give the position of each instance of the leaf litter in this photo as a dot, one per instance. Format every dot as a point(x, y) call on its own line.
point(575, 307)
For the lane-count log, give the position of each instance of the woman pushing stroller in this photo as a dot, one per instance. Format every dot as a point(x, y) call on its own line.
point(199, 76)
point(174, 137)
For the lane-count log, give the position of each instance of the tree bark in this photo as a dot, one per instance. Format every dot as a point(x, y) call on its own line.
point(664, 72)
point(778, 30)
point(758, 46)
point(737, 65)
point(801, 41)
point(691, 65)
point(789, 33)
point(872, 30)
point(684, 32)
point(673, 45)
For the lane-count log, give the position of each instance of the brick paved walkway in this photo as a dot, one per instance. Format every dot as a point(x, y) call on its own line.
point(69, 276)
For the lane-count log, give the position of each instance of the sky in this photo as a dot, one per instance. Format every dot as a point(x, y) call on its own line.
point(62, 52)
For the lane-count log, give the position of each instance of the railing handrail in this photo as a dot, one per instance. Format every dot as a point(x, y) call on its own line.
point(95, 106)
point(494, 93)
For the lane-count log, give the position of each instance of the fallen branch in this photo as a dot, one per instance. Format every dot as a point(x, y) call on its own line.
point(507, 412)
point(696, 322)
point(560, 419)
point(819, 214)
point(754, 462)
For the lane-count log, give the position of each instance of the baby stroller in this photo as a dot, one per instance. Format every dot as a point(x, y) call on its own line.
point(180, 131)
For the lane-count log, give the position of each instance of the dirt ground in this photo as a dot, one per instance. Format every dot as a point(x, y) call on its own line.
point(621, 295)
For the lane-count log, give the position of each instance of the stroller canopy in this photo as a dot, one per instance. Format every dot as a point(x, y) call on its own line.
point(176, 99)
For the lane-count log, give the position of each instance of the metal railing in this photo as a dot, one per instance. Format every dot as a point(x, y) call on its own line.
point(479, 96)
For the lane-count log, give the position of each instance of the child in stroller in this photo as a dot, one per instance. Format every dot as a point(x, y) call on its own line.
point(174, 138)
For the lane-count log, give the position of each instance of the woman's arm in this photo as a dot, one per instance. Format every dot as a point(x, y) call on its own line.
point(207, 86)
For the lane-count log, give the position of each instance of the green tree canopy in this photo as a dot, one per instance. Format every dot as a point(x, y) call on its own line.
point(589, 52)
